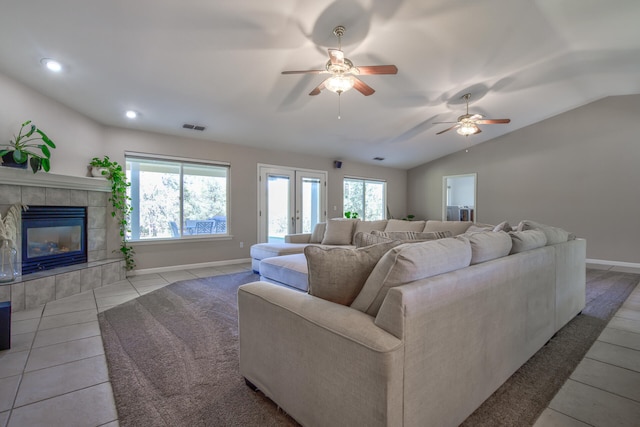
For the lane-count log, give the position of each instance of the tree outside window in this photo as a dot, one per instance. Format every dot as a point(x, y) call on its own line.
point(366, 197)
point(172, 199)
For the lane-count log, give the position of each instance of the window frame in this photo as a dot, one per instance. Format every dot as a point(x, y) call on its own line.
point(181, 162)
point(364, 181)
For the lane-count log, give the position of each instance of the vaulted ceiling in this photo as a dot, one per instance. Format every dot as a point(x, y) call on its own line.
point(218, 64)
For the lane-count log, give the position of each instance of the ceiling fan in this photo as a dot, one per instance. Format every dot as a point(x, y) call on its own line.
point(467, 124)
point(343, 74)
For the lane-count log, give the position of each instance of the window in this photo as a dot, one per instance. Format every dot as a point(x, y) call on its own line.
point(174, 199)
point(366, 197)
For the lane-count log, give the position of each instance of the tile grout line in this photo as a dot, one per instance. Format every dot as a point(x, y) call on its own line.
point(61, 394)
point(35, 334)
point(606, 391)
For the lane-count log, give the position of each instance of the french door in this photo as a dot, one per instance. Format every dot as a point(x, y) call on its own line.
point(289, 201)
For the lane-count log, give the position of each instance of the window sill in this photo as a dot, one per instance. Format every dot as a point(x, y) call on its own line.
point(186, 239)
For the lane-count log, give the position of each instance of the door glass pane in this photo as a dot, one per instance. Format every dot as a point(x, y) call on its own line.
point(311, 206)
point(278, 189)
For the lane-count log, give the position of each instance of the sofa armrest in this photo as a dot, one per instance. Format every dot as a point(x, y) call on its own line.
point(297, 238)
point(299, 349)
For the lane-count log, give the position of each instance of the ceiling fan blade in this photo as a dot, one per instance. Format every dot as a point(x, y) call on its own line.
point(377, 69)
point(448, 129)
point(336, 56)
point(305, 72)
point(317, 89)
point(492, 121)
point(363, 88)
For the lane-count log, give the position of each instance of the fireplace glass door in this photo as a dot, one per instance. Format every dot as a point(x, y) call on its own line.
point(53, 240)
point(53, 236)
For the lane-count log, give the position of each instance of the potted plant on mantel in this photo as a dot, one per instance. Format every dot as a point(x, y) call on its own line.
point(21, 149)
point(121, 209)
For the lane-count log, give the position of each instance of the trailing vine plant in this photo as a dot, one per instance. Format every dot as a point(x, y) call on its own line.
point(119, 200)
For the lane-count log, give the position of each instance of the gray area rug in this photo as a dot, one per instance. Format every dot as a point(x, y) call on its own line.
point(173, 358)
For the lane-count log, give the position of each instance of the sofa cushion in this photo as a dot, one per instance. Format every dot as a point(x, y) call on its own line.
point(337, 274)
point(488, 245)
point(368, 227)
point(554, 235)
point(412, 235)
point(290, 270)
point(456, 227)
point(527, 240)
point(338, 232)
point(268, 250)
point(409, 262)
point(318, 232)
point(368, 239)
point(402, 225)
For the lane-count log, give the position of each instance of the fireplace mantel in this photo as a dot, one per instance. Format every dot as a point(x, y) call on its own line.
point(15, 176)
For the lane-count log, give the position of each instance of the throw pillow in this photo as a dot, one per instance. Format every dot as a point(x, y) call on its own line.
point(488, 245)
point(402, 225)
point(554, 235)
point(367, 239)
point(527, 240)
point(318, 232)
point(476, 228)
point(410, 262)
point(338, 232)
point(503, 226)
point(368, 227)
point(338, 274)
point(456, 227)
point(412, 235)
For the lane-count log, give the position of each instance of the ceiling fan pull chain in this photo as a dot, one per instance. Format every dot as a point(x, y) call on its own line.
point(339, 106)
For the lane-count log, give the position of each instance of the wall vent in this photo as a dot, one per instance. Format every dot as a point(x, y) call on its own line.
point(193, 127)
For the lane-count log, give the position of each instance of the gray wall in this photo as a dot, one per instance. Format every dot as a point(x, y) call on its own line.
point(79, 139)
point(579, 170)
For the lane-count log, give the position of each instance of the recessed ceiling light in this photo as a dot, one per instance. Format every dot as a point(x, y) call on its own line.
point(131, 114)
point(51, 64)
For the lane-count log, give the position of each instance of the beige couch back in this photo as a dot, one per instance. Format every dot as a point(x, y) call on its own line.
point(468, 330)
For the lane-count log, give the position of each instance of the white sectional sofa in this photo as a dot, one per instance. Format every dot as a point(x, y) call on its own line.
point(421, 336)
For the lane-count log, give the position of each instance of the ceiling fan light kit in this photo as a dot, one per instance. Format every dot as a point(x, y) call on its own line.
point(468, 128)
point(467, 124)
point(343, 73)
point(340, 83)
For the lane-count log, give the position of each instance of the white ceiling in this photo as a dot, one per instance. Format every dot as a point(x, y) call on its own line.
point(218, 64)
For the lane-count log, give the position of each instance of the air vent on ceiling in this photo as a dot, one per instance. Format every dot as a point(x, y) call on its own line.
point(378, 158)
point(193, 127)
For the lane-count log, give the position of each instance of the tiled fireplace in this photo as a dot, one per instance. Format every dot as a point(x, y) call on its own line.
point(48, 190)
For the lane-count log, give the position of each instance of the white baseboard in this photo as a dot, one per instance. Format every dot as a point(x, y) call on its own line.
point(187, 267)
point(613, 263)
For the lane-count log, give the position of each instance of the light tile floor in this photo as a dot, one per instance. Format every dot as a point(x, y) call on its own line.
point(56, 374)
point(604, 390)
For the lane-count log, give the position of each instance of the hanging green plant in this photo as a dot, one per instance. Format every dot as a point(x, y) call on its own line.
point(23, 147)
point(119, 200)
